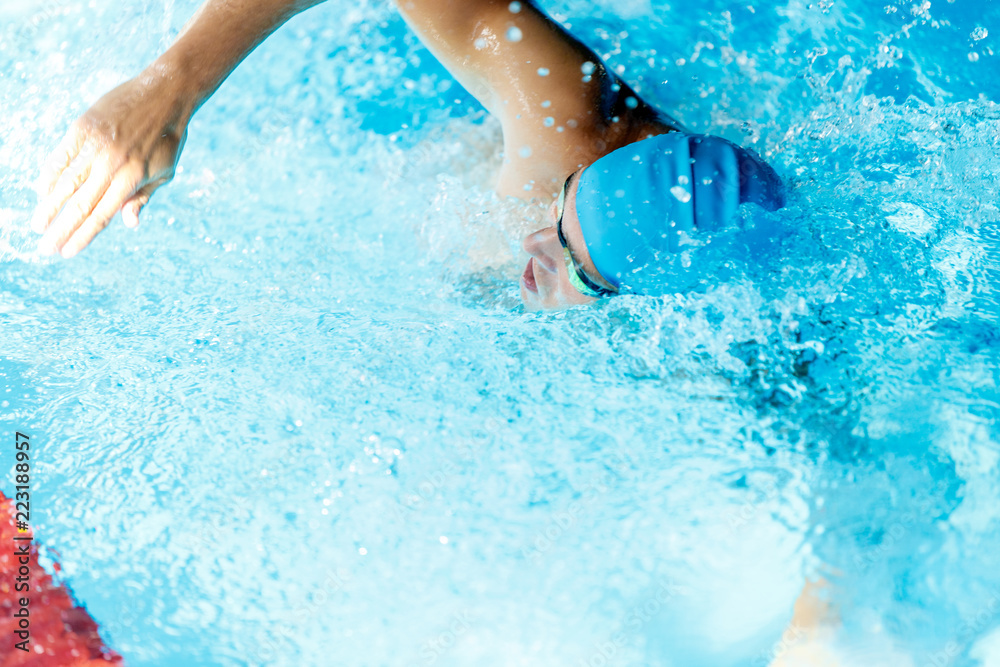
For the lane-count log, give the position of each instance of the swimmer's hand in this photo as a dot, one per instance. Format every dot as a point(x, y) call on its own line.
point(113, 159)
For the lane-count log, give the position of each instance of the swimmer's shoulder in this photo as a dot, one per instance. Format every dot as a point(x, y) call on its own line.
point(560, 106)
point(621, 118)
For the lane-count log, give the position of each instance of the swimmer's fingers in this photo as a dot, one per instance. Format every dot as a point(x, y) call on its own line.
point(61, 158)
point(99, 218)
point(132, 208)
point(77, 210)
point(59, 193)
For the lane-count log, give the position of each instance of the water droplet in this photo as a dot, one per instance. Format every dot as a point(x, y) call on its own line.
point(979, 33)
point(549, 121)
point(682, 195)
point(588, 68)
point(480, 43)
point(514, 7)
point(514, 34)
point(631, 102)
point(683, 180)
point(525, 152)
point(543, 71)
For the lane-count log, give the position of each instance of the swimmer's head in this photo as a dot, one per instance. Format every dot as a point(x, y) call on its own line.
point(560, 272)
point(628, 214)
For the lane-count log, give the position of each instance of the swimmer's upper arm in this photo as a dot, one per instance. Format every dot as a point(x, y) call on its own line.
point(496, 48)
point(526, 69)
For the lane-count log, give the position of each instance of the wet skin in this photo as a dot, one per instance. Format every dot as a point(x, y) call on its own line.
point(545, 282)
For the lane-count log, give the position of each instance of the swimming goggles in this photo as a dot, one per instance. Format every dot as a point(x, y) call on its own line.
point(578, 278)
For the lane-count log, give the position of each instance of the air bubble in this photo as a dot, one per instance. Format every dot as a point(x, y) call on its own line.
point(514, 7)
point(546, 104)
point(549, 121)
point(588, 68)
point(973, 57)
point(979, 33)
point(543, 71)
point(631, 102)
point(706, 181)
point(682, 195)
point(683, 180)
point(480, 43)
point(514, 34)
point(525, 152)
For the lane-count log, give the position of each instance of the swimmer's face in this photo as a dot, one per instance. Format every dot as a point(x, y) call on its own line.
point(545, 283)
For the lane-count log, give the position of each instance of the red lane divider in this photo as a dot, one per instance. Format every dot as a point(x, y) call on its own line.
point(62, 633)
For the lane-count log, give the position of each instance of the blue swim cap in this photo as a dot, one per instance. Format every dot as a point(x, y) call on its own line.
point(644, 203)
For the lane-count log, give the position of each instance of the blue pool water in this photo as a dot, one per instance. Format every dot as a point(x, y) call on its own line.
point(300, 418)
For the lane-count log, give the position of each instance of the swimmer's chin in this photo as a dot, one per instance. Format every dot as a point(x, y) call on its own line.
point(533, 303)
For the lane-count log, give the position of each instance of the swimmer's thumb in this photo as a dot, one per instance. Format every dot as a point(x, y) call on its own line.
point(132, 207)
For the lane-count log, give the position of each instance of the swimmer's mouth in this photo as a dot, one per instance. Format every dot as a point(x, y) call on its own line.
point(528, 278)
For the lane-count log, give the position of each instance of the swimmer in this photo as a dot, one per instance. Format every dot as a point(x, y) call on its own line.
point(627, 182)
point(632, 183)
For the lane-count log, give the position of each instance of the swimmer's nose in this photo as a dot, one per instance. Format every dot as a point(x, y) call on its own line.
point(539, 245)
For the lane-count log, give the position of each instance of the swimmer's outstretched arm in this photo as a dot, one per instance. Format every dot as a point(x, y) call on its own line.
point(127, 145)
point(559, 106)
